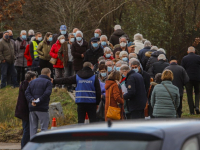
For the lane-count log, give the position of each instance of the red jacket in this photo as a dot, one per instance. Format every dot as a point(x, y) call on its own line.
point(27, 55)
point(54, 54)
point(111, 58)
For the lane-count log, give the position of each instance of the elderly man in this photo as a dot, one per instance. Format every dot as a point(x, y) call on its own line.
point(74, 31)
point(132, 55)
point(131, 47)
point(105, 43)
point(180, 79)
point(110, 65)
point(7, 60)
point(118, 32)
point(123, 56)
point(159, 66)
point(97, 34)
point(107, 53)
point(119, 64)
point(138, 40)
point(147, 47)
point(191, 63)
point(123, 45)
point(31, 34)
point(63, 31)
point(11, 35)
point(136, 93)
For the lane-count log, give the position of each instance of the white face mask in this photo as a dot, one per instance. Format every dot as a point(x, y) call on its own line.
point(122, 44)
point(62, 41)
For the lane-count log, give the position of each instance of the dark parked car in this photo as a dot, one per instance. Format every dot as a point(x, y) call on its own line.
point(124, 135)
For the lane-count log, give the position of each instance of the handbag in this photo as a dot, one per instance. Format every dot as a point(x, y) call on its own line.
point(113, 112)
point(172, 99)
point(146, 109)
point(53, 60)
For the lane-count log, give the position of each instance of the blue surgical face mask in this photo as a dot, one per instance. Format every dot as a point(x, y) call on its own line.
point(123, 76)
point(103, 43)
point(108, 55)
point(96, 35)
point(39, 38)
point(72, 40)
point(109, 69)
point(95, 45)
point(103, 74)
point(50, 39)
point(74, 34)
point(125, 59)
point(23, 36)
point(78, 39)
point(63, 32)
point(136, 70)
point(118, 68)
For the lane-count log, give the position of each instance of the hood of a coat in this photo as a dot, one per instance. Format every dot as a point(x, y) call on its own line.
point(109, 83)
point(156, 53)
point(85, 73)
point(119, 32)
point(148, 54)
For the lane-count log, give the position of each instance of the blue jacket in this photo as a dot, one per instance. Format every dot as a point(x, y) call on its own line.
point(136, 94)
point(39, 88)
point(191, 63)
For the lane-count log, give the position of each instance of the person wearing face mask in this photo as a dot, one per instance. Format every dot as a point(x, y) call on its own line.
point(59, 68)
point(94, 52)
point(7, 59)
point(109, 64)
point(123, 45)
point(74, 32)
point(43, 50)
point(66, 57)
point(136, 94)
point(135, 65)
point(107, 53)
point(119, 64)
point(97, 34)
point(123, 56)
point(21, 62)
point(105, 43)
point(63, 31)
point(79, 47)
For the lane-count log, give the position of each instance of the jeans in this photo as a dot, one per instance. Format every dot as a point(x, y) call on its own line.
point(5, 68)
point(189, 89)
point(90, 109)
point(68, 72)
point(26, 133)
point(137, 114)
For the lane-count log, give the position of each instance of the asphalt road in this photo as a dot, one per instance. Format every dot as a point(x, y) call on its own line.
point(10, 146)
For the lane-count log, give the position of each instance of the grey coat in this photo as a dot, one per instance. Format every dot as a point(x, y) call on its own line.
point(19, 54)
point(180, 76)
point(161, 101)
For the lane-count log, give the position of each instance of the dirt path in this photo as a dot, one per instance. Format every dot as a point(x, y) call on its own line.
point(10, 146)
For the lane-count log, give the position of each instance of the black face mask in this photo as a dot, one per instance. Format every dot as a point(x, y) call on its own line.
point(11, 37)
point(6, 37)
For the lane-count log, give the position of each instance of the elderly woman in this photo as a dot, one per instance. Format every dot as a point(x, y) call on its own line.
point(165, 97)
point(119, 64)
point(59, 68)
point(21, 62)
point(79, 47)
point(138, 40)
point(105, 43)
point(123, 45)
point(107, 53)
point(123, 56)
point(43, 50)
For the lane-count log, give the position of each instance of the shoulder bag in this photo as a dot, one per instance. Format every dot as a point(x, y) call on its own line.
point(53, 60)
point(172, 99)
point(113, 112)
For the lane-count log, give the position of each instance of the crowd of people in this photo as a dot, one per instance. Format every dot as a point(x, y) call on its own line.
point(116, 78)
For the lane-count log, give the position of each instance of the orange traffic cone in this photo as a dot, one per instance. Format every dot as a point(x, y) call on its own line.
point(53, 126)
point(86, 119)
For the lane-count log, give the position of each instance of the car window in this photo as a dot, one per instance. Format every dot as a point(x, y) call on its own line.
point(191, 144)
point(95, 145)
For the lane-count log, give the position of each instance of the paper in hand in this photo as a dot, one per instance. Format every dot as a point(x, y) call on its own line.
point(37, 100)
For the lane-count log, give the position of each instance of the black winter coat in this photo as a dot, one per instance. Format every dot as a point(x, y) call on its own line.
point(92, 55)
point(146, 78)
point(136, 94)
point(114, 39)
point(158, 67)
point(142, 54)
point(147, 56)
point(191, 63)
point(22, 110)
point(180, 76)
point(85, 73)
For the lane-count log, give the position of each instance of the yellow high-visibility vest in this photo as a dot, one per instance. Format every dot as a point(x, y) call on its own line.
point(35, 53)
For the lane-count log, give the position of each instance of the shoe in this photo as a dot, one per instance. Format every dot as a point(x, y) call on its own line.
point(197, 110)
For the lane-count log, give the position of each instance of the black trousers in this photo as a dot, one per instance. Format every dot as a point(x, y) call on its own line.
point(69, 71)
point(189, 89)
point(179, 109)
point(20, 73)
point(82, 108)
point(46, 64)
point(137, 114)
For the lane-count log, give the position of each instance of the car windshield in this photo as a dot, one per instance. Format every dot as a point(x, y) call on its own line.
point(95, 145)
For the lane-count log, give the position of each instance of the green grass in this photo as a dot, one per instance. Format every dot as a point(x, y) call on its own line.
point(11, 127)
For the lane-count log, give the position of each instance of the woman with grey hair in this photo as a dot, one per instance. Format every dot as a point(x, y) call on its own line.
point(107, 53)
point(123, 56)
point(20, 62)
point(138, 40)
point(59, 68)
